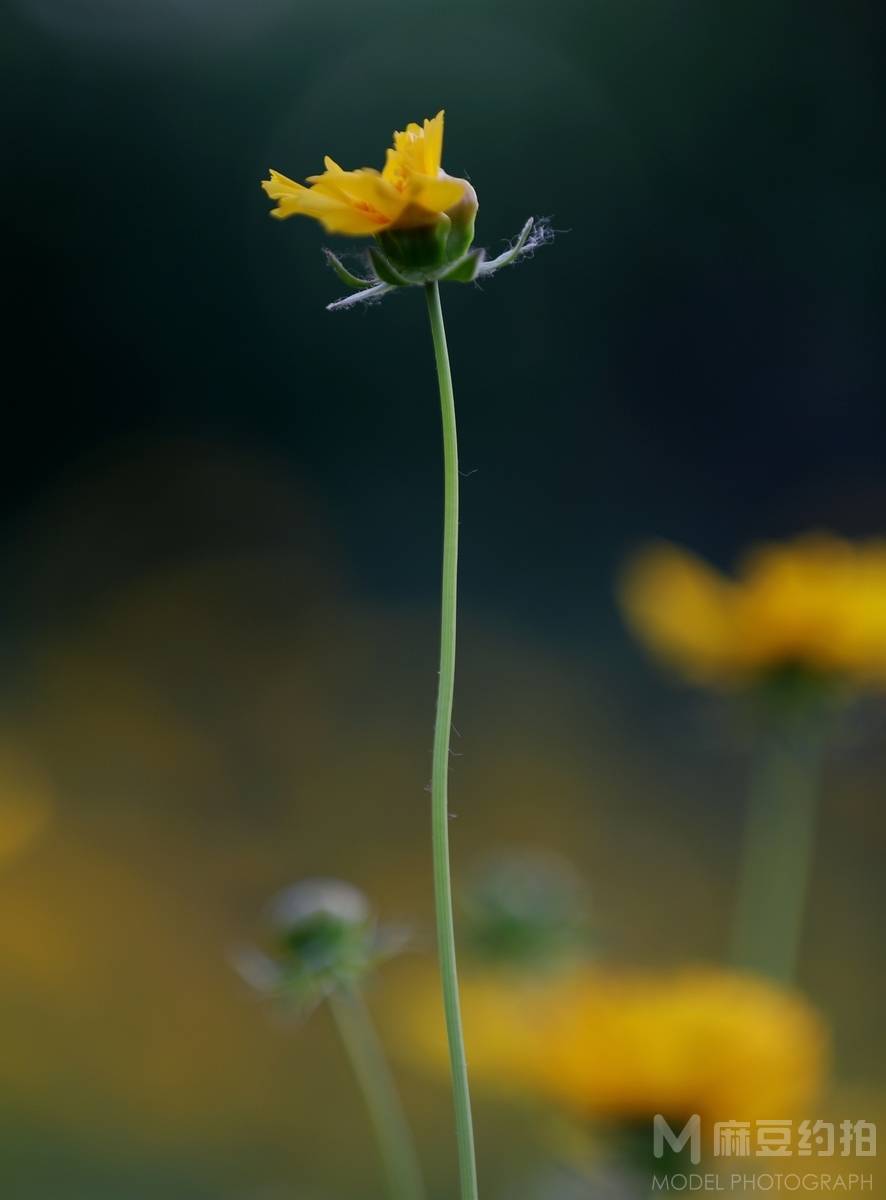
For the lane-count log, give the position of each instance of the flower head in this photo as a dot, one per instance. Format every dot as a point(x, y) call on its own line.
point(412, 189)
point(815, 605)
point(618, 1045)
point(525, 909)
point(421, 218)
point(323, 936)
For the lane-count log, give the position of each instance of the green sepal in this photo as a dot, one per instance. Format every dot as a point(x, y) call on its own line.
point(511, 255)
point(419, 249)
point(347, 277)
point(461, 235)
point(361, 296)
point(385, 269)
point(466, 269)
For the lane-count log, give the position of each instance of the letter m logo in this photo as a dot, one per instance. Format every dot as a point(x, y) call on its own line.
point(691, 1133)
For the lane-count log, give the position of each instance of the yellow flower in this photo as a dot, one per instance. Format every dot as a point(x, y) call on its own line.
point(620, 1045)
point(815, 604)
point(411, 191)
point(420, 220)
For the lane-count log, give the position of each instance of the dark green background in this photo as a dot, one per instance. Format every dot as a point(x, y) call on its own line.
point(205, 472)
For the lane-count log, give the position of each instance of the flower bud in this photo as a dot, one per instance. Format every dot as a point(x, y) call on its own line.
point(323, 930)
point(415, 252)
point(323, 937)
point(526, 909)
point(318, 898)
point(462, 217)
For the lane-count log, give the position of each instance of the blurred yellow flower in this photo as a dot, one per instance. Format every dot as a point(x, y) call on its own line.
point(412, 190)
point(620, 1045)
point(814, 604)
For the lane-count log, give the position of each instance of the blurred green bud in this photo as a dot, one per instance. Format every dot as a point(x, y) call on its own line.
point(323, 936)
point(329, 900)
point(526, 909)
point(323, 928)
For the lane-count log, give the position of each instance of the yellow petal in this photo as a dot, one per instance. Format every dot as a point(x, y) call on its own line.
point(365, 201)
point(794, 602)
point(418, 149)
point(355, 203)
point(350, 223)
point(434, 143)
point(621, 1044)
point(436, 195)
point(363, 188)
point(279, 185)
point(335, 216)
point(683, 610)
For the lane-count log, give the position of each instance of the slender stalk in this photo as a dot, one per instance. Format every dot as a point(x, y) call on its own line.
point(776, 858)
point(464, 1129)
point(373, 1074)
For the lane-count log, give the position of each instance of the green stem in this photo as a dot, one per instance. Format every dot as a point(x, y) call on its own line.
point(779, 841)
point(464, 1129)
point(373, 1074)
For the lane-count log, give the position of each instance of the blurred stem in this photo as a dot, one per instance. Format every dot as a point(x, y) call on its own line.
point(394, 1137)
point(779, 842)
point(464, 1130)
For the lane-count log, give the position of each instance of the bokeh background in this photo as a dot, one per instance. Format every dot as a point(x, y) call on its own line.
point(221, 520)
